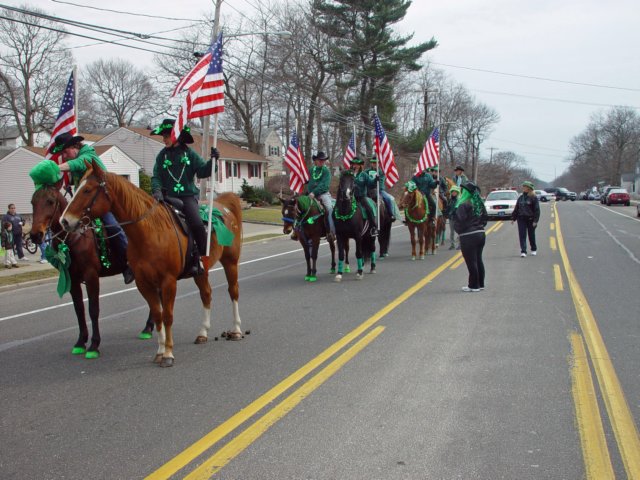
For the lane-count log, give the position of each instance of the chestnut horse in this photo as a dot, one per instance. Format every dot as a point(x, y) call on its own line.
point(48, 204)
point(416, 216)
point(157, 247)
point(303, 214)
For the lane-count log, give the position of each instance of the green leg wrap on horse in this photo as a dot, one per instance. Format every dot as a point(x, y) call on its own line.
point(78, 350)
point(360, 263)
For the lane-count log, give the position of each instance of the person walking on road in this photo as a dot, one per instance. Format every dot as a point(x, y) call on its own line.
point(527, 214)
point(471, 218)
point(16, 223)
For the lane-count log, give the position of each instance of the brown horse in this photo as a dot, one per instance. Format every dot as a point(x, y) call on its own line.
point(48, 204)
point(303, 214)
point(157, 247)
point(417, 219)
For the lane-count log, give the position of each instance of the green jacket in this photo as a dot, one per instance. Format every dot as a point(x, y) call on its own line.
point(382, 177)
point(364, 181)
point(175, 169)
point(77, 166)
point(425, 182)
point(319, 180)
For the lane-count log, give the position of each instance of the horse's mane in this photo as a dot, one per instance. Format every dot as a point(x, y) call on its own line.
point(134, 200)
point(418, 198)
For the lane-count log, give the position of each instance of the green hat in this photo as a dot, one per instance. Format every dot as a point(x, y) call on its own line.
point(167, 125)
point(374, 158)
point(357, 161)
point(434, 169)
point(454, 188)
point(47, 172)
point(529, 184)
point(411, 186)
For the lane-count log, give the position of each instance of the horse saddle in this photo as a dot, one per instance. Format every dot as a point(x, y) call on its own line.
point(373, 207)
point(191, 256)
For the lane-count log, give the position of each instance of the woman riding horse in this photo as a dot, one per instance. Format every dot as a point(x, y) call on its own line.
point(416, 212)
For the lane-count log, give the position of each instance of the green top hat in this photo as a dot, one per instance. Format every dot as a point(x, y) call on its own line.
point(357, 161)
point(411, 186)
point(46, 172)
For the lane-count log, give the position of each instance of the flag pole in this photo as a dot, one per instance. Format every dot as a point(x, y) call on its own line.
point(375, 110)
point(205, 134)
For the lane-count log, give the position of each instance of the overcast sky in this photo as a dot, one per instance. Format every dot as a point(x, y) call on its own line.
point(583, 41)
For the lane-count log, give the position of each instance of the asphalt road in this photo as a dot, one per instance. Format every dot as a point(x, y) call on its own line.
point(398, 376)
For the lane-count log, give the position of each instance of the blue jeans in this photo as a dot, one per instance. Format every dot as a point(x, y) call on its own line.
point(114, 230)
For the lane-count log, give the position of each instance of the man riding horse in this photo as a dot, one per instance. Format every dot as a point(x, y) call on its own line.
point(425, 183)
point(318, 188)
point(75, 154)
point(363, 182)
point(174, 174)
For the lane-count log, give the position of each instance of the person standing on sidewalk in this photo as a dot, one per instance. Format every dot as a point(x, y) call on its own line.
point(527, 214)
point(16, 222)
point(8, 245)
point(471, 217)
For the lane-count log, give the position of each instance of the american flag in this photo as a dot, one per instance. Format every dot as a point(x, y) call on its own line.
point(205, 97)
point(431, 153)
point(385, 154)
point(350, 153)
point(66, 121)
point(294, 160)
point(193, 79)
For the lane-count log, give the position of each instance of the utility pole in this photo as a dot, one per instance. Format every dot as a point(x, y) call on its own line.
point(491, 155)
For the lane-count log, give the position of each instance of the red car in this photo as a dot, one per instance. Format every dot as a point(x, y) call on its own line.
point(619, 196)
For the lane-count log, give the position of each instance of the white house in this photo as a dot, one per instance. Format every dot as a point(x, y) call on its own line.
point(17, 187)
point(10, 137)
point(270, 144)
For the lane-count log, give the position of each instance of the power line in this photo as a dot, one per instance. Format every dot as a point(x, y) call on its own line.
point(538, 78)
point(129, 13)
point(561, 100)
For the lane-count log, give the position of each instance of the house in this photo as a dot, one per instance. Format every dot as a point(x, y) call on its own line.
point(10, 138)
point(236, 164)
point(270, 145)
point(17, 187)
point(631, 181)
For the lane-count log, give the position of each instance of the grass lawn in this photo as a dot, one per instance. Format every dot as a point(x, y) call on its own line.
point(259, 214)
point(28, 276)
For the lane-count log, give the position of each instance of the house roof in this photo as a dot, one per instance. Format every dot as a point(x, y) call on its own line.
point(227, 150)
point(38, 151)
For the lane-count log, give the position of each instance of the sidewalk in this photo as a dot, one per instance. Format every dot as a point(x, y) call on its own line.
point(33, 264)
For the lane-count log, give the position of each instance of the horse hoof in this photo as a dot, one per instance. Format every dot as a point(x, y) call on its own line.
point(413, 258)
point(338, 279)
point(373, 271)
point(358, 276)
point(347, 269)
point(144, 335)
point(306, 278)
point(313, 279)
point(234, 336)
point(92, 355)
point(332, 271)
point(166, 362)
point(421, 257)
point(200, 340)
point(157, 358)
point(78, 350)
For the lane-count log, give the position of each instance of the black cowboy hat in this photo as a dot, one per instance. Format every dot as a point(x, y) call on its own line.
point(458, 167)
point(470, 187)
point(167, 125)
point(320, 156)
point(64, 140)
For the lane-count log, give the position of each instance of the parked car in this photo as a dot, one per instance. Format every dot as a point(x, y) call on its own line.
point(561, 193)
point(500, 203)
point(605, 192)
point(618, 196)
point(638, 209)
point(572, 196)
point(593, 196)
point(544, 196)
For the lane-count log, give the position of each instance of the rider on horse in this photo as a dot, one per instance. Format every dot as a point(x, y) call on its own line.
point(318, 187)
point(363, 182)
point(425, 183)
point(386, 197)
point(75, 154)
point(459, 178)
point(441, 182)
point(173, 177)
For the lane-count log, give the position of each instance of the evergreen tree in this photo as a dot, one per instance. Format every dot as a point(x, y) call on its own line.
point(368, 56)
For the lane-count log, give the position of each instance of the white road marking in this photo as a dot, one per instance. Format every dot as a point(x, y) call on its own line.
point(617, 213)
point(629, 252)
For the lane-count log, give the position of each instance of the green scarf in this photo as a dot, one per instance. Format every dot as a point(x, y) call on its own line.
point(61, 261)
point(474, 199)
point(224, 235)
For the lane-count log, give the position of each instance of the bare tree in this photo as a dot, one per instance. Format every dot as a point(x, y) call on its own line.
point(121, 92)
point(34, 69)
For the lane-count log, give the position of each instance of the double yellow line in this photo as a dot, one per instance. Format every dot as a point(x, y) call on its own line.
point(592, 438)
point(234, 447)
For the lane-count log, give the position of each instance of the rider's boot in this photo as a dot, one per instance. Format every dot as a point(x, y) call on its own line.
point(200, 237)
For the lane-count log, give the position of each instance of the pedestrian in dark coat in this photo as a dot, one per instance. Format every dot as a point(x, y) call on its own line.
point(527, 214)
point(16, 222)
point(470, 220)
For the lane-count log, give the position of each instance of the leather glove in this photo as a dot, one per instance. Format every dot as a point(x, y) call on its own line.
point(215, 153)
point(158, 195)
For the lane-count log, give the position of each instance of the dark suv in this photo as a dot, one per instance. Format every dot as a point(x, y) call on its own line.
point(560, 193)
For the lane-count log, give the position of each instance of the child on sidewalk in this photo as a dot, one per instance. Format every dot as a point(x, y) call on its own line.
point(7, 244)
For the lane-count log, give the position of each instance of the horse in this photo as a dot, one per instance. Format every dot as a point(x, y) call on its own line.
point(86, 267)
point(303, 214)
point(350, 223)
point(384, 234)
point(157, 246)
point(416, 212)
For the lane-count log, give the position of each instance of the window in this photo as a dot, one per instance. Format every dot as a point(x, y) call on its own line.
point(254, 170)
point(232, 166)
point(274, 151)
